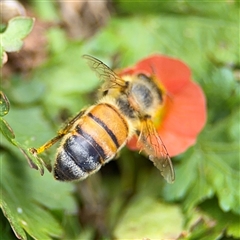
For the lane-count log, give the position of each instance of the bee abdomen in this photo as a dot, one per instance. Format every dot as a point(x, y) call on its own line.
point(78, 158)
point(94, 140)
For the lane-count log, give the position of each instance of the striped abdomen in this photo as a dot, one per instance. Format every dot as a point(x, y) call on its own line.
point(95, 140)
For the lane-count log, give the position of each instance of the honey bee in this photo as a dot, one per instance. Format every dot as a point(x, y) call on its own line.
point(125, 108)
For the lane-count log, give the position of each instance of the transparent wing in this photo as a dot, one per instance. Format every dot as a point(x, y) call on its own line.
point(110, 78)
point(150, 142)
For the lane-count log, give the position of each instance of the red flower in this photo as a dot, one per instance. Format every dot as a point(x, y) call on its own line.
point(184, 110)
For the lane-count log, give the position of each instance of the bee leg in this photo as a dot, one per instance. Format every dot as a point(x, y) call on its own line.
point(46, 145)
point(60, 134)
point(66, 129)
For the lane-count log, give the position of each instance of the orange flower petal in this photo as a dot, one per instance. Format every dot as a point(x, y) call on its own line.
point(185, 107)
point(184, 119)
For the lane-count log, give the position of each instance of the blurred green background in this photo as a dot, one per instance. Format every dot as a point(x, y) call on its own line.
point(48, 81)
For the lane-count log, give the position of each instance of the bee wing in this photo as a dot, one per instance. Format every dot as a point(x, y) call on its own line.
point(111, 79)
point(151, 143)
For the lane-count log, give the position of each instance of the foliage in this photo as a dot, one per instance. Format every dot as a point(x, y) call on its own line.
point(11, 38)
point(127, 198)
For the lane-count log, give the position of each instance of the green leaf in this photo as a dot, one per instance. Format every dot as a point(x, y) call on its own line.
point(68, 81)
point(215, 165)
point(46, 10)
point(181, 37)
point(4, 109)
point(34, 161)
point(223, 174)
point(186, 187)
point(19, 232)
point(27, 199)
point(226, 221)
point(4, 104)
point(18, 28)
point(6, 130)
point(22, 129)
point(210, 9)
point(204, 227)
point(223, 93)
point(148, 217)
point(214, 175)
point(57, 40)
point(32, 91)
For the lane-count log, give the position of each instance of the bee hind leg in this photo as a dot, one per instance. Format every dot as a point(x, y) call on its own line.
point(60, 134)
